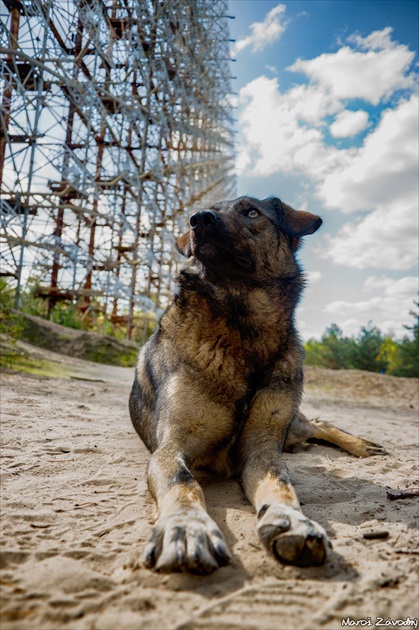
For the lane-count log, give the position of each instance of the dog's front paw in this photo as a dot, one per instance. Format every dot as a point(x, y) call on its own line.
point(186, 540)
point(291, 537)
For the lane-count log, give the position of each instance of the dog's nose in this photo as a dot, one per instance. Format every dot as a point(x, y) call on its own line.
point(205, 218)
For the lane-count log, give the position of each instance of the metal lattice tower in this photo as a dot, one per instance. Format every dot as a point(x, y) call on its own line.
point(116, 122)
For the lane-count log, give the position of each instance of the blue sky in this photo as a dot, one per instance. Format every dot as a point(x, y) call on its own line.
point(327, 120)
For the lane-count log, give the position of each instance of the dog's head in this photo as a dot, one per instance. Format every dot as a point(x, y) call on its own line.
point(248, 238)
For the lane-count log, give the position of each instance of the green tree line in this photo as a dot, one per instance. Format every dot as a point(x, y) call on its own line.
point(370, 350)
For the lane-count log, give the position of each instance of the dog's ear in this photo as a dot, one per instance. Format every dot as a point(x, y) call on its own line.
point(183, 245)
point(298, 223)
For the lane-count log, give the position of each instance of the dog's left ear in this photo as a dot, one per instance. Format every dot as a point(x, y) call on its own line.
point(298, 223)
point(183, 245)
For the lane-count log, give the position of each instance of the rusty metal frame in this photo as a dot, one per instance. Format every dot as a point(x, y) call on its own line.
point(115, 124)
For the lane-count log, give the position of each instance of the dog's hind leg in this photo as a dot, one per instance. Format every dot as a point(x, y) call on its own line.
point(303, 430)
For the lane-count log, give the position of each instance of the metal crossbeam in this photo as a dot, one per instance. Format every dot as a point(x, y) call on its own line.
point(115, 122)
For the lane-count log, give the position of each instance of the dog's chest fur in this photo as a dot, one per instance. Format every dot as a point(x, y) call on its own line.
point(231, 335)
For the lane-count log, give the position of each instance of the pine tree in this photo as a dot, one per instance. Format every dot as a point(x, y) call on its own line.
point(409, 350)
point(366, 354)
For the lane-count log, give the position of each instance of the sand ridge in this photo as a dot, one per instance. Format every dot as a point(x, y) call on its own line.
point(76, 514)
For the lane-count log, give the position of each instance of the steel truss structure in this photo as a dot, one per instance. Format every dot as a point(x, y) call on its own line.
point(116, 122)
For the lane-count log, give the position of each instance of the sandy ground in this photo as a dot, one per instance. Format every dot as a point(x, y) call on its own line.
point(76, 514)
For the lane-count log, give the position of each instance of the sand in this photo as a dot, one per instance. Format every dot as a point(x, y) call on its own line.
point(76, 514)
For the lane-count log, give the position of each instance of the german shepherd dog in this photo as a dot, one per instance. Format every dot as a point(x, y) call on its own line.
point(219, 384)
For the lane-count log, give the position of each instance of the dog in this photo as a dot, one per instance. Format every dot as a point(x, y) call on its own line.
point(218, 387)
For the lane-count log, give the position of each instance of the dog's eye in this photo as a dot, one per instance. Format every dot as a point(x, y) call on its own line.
point(252, 213)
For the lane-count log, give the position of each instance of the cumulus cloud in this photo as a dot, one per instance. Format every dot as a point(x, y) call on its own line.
point(381, 177)
point(283, 132)
point(371, 75)
point(377, 40)
point(275, 141)
point(388, 307)
point(264, 33)
point(402, 287)
point(349, 123)
point(383, 170)
point(384, 238)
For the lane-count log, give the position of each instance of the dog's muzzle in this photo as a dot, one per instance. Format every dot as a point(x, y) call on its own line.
point(204, 219)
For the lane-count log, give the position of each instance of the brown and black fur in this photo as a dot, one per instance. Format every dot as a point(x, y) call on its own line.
point(219, 384)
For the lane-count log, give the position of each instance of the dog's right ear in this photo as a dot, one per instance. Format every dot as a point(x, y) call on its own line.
point(183, 245)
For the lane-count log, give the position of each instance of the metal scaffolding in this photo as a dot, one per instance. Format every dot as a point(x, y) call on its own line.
point(116, 121)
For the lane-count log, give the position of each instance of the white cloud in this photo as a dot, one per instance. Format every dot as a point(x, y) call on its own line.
point(264, 33)
point(310, 104)
point(388, 309)
point(349, 123)
point(274, 141)
point(381, 176)
point(370, 75)
point(383, 170)
point(283, 133)
point(385, 238)
point(389, 287)
point(377, 40)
